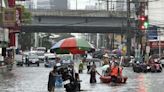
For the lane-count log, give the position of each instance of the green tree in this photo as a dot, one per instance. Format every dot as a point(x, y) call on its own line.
point(26, 40)
point(26, 16)
point(45, 41)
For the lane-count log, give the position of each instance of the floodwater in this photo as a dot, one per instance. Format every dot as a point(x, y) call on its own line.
point(34, 79)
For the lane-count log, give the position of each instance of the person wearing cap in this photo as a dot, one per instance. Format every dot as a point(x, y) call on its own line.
point(51, 79)
point(105, 59)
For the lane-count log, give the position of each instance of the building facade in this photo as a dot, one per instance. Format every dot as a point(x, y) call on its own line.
point(59, 4)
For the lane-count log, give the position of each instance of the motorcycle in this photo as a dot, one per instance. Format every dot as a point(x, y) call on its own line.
point(72, 84)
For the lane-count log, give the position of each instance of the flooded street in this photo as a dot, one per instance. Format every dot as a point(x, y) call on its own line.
point(34, 79)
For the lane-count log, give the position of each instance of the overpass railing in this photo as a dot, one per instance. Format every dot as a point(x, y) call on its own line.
point(78, 13)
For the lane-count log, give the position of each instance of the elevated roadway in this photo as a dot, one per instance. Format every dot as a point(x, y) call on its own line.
point(77, 21)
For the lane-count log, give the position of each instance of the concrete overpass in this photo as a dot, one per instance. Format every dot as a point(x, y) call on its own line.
point(77, 21)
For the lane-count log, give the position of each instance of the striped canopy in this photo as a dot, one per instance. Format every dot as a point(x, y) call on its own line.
point(72, 45)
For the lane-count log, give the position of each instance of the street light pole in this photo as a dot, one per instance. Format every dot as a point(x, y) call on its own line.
point(128, 29)
point(159, 43)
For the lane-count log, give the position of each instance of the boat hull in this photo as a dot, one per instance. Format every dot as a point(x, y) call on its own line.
point(108, 79)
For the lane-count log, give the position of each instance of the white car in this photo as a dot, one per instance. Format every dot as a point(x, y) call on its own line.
point(33, 59)
point(162, 61)
point(50, 60)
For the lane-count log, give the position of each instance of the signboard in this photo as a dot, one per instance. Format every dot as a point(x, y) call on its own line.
point(11, 3)
point(9, 18)
point(155, 44)
point(152, 33)
point(18, 17)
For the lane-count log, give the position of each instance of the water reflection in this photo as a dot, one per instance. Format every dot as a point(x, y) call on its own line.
point(142, 86)
point(34, 79)
point(115, 89)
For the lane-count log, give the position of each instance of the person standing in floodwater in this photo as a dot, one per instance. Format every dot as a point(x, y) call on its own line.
point(81, 66)
point(93, 72)
point(88, 67)
point(51, 79)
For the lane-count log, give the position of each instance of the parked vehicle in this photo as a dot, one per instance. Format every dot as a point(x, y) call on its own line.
point(140, 67)
point(33, 59)
point(40, 52)
point(156, 67)
point(155, 64)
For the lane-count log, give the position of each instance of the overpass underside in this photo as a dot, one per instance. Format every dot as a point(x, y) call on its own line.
point(69, 24)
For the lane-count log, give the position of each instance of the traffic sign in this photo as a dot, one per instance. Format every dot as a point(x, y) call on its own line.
point(152, 33)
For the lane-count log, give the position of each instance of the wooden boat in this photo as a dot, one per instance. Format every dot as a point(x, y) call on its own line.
point(108, 79)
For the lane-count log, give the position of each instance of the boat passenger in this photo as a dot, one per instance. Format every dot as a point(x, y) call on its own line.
point(116, 72)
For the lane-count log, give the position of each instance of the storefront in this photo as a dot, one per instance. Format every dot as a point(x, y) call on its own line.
point(156, 47)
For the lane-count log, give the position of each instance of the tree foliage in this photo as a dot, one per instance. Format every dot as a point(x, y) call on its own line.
point(26, 40)
point(26, 16)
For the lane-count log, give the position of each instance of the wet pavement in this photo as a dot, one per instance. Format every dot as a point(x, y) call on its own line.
point(34, 79)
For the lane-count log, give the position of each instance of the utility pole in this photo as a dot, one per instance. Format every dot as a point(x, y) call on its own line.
point(128, 30)
point(107, 5)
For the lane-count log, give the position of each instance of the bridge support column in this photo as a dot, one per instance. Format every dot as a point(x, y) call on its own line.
point(98, 38)
point(36, 39)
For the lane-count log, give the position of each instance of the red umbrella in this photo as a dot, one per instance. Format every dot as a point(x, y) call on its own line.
point(72, 45)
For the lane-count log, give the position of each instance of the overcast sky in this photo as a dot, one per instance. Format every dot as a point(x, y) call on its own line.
point(80, 3)
point(156, 12)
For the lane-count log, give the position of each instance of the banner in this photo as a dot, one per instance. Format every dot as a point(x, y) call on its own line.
point(9, 17)
point(12, 39)
point(18, 17)
point(155, 44)
point(11, 3)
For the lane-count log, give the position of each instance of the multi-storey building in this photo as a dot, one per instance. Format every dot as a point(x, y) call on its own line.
point(59, 4)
